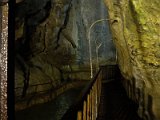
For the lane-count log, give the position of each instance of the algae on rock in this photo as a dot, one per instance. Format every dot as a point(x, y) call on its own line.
point(135, 27)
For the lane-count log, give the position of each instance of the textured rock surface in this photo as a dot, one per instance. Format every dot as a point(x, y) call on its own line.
point(52, 43)
point(135, 27)
point(37, 25)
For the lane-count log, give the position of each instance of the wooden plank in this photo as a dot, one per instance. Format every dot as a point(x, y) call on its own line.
point(85, 110)
point(79, 115)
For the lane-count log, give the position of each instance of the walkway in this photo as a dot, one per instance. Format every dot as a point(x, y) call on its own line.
point(115, 105)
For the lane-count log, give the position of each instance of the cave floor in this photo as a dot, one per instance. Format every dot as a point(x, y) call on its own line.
point(114, 104)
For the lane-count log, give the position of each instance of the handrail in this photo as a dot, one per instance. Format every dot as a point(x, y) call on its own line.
point(86, 107)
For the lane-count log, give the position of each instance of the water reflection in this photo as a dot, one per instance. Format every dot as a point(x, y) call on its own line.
point(53, 110)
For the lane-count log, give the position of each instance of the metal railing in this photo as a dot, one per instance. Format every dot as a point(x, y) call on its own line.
point(86, 107)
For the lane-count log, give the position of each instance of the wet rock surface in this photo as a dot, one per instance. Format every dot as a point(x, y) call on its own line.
point(51, 43)
point(135, 28)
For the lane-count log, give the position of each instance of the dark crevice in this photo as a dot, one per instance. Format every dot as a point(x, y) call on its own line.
point(47, 11)
point(30, 29)
point(68, 37)
point(150, 104)
point(61, 73)
point(114, 22)
point(46, 8)
point(44, 41)
point(26, 73)
point(64, 24)
point(26, 82)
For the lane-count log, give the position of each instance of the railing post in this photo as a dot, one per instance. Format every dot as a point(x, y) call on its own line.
point(96, 88)
point(85, 110)
point(79, 115)
point(91, 104)
point(88, 102)
point(98, 93)
point(94, 104)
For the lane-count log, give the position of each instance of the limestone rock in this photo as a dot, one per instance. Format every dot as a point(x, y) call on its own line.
point(52, 43)
point(135, 27)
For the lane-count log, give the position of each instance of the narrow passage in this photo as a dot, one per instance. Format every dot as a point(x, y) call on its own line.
point(115, 105)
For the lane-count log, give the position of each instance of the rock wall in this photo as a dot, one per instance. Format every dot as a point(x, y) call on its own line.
point(51, 43)
point(135, 27)
point(37, 26)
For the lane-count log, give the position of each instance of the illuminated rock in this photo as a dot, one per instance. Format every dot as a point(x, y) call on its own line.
point(135, 27)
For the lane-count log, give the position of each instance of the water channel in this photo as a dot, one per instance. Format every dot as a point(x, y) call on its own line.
point(53, 110)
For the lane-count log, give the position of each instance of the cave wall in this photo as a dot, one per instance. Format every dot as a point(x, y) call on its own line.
point(51, 44)
point(136, 34)
point(37, 26)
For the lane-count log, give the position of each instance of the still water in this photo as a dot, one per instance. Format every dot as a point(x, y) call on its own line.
point(53, 110)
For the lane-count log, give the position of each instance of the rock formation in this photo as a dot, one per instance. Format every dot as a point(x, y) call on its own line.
point(135, 28)
point(51, 43)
